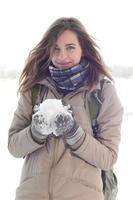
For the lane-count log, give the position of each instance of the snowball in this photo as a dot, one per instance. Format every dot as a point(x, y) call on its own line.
point(49, 109)
point(53, 106)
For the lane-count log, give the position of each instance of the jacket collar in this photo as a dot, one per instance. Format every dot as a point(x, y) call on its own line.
point(48, 83)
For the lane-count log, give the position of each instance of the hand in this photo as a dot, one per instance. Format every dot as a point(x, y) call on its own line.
point(40, 127)
point(63, 124)
point(40, 123)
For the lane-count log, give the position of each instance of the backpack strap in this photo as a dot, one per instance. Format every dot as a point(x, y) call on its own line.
point(110, 183)
point(37, 94)
point(95, 104)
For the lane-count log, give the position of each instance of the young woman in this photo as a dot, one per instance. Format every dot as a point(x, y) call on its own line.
point(66, 64)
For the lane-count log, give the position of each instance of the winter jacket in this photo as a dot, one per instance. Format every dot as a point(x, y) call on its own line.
point(55, 171)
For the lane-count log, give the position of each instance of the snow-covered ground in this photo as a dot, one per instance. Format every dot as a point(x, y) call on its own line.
point(10, 167)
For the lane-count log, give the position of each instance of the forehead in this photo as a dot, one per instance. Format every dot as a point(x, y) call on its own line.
point(67, 37)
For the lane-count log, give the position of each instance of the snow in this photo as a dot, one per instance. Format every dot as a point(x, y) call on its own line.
point(52, 107)
point(46, 114)
point(10, 167)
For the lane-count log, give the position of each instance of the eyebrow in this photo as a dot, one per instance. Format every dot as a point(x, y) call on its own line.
point(69, 44)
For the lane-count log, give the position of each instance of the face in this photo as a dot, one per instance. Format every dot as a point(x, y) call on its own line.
point(67, 51)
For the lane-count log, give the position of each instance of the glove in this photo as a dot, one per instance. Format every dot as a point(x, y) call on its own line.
point(66, 126)
point(64, 123)
point(42, 119)
point(40, 126)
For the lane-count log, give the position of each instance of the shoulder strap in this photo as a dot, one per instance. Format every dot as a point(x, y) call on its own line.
point(95, 104)
point(110, 184)
point(36, 94)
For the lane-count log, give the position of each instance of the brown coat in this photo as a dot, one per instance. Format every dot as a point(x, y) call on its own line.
point(54, 171)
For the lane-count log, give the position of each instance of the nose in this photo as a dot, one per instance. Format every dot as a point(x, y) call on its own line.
point(62, 55)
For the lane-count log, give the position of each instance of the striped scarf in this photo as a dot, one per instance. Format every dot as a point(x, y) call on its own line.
point(70, 79)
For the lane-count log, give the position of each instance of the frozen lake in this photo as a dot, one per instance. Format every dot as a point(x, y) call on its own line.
point(10, 167)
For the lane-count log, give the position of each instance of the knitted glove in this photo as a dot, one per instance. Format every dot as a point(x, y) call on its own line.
point(63, 123)
point(40, 127)
point(66, 126)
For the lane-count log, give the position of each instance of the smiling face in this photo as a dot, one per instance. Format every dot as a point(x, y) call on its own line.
point(67, 51)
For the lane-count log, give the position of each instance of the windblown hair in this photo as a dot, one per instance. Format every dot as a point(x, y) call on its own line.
point(38, 61)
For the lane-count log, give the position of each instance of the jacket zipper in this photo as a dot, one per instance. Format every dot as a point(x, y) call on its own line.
point(51, 174)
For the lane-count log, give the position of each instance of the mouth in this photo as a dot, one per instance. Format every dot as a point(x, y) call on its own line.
point(64, 65)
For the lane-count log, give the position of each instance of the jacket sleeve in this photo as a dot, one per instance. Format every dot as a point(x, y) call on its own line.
point(20, 141)
point(102, 151)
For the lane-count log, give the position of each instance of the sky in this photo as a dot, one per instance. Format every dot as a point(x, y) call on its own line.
point(23, 23)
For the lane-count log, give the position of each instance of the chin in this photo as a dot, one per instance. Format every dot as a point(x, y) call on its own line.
point(66, 67)
point(63, 67)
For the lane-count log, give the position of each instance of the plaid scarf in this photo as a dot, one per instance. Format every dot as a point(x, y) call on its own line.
point(70, 79)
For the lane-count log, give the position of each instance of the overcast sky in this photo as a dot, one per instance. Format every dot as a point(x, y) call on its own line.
point(23, 22)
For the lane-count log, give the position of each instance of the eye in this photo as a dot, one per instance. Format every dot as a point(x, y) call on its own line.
point(55, 50)
point(70, 47)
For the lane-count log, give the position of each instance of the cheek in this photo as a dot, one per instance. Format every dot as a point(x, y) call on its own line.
point(53, 59)
point(78, 57)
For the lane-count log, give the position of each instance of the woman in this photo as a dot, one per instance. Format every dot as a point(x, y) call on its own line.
point(67, 65)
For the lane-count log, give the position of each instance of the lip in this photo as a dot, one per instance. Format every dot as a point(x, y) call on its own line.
point(66, 64)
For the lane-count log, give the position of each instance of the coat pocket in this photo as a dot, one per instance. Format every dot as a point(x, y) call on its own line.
point(89, 176)
point(34, 188)
point(34, 164)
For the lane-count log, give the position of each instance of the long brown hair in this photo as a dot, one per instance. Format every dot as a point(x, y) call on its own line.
point(38, 61)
